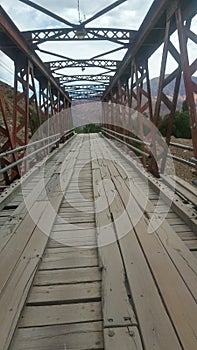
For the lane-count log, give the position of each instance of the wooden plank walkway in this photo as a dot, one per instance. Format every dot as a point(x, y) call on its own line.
point(97, 278)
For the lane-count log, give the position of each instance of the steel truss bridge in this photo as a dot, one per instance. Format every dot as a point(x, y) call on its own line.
point(86, 264)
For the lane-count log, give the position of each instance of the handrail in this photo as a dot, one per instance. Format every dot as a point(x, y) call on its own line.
point(129, 137)
point(181, 160)
point(19, 161)
point(18, 149)
point(180, 145)
point(193, 163)
point(127, 144)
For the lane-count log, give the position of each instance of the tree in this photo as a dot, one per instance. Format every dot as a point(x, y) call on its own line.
point(181, 127)
point(185, 107)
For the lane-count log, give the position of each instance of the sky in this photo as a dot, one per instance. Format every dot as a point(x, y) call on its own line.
point(128, 15)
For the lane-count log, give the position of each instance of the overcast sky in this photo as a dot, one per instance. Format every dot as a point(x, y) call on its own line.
point(128, 15)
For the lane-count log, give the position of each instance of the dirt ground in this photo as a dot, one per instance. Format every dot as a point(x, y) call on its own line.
point(185, 172)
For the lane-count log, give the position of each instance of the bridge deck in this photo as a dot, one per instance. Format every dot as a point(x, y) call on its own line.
point(85, 264)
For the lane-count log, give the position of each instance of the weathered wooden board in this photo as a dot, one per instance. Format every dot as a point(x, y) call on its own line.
point(158, 332)
point(61, 225)
point(186, 212)
point(20, 259)
point(75, 211)
point(85, 242)
point(184, 188)
point(176, 249)
point(34, 316)
point(117, 310)
point(77, 204)
point(67, 276)
point(75, 238)
point(91, 232)
point(76, 219)
point(191, 244)
point(15, 246)
point(181, 228)
point(168, 278)
point(84, 336)
point(64, 294)
point(57, 258)
point(124, 338)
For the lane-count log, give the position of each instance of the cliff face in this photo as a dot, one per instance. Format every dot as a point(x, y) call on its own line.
point(8, 93)
point(169, 89)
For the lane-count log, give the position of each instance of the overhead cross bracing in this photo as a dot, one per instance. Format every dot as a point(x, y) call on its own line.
point(110, 65)
point(118, 36)
point(80, 32)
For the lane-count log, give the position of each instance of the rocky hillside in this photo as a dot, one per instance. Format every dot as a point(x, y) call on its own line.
point(8, 93)
point(169, 89)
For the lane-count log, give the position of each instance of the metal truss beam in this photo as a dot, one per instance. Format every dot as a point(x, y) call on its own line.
point(12, 43)
point(151, 35)
point(85, 87)
point(37, 94)
point(71, 78)
point(118, 36)
point(131, 84)
point(69, 63)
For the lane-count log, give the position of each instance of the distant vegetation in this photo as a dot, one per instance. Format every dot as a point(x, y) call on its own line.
point(88, 129)
point(181, 125)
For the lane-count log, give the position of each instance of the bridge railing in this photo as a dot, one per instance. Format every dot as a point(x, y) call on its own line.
point(124, 139)
point(35, 152)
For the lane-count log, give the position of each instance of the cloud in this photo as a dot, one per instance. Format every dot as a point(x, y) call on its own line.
point(128, 14)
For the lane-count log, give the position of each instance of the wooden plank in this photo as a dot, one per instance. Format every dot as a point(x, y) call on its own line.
point(67, 276)
point(122, 338)
point(176, 249)
point(194, 252)
point(64, 294)
point(73, 238)
point(181, 228)
point(34, 316)
point(184, 188)
point(191, 244)
point(15, 246)
point(76, 219)
point(181, 306)
point(24, 253)
point(84, 336)
point(56, 258)
point(77, 204)
point(117, 310)
point(84, 242)
point(158, 332)
point(13, 301)
point(186, 212)
point(73, 211)
point(60, 225)
point(80, 232)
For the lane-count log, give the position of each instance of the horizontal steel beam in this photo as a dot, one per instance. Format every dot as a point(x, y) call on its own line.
point(119, 36)
point(85, 87)
point(69, 63)
point(71, 78)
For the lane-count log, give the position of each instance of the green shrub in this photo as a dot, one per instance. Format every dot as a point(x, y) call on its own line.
point(89, 128)
point(181, 126)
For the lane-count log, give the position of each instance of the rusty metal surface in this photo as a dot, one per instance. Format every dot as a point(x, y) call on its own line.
point(151, 34)
point(13, 44)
